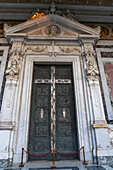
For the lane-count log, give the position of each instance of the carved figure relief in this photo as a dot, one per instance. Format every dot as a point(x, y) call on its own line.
point(53, 30)
point(12, 72)
point(91, 69)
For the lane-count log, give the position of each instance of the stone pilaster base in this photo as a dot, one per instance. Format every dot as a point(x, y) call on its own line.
point(105, 160)
point(3, 163)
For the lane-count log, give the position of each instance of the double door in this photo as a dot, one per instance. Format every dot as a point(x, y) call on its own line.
point(52, 120)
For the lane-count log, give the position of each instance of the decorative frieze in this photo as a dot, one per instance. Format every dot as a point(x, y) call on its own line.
point(69, 50)
point(35, 49)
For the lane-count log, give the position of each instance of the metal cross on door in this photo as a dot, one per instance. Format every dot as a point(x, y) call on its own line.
point(52, 110)
point(53, 81)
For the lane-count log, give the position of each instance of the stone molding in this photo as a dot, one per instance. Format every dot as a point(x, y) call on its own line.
point(97, 126)
point(7, 125)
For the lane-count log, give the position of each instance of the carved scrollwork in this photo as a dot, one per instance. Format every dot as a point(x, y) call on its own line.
point(35, 49)
point(69, 50)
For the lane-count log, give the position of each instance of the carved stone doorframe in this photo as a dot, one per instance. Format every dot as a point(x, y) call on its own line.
point(26, 97)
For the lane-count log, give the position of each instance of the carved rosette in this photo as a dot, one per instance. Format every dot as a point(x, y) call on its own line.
point(69, 50)
point(13, 70)
point(92, 71)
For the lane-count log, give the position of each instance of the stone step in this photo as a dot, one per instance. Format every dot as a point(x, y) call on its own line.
point(61, 165)
point(103, 167)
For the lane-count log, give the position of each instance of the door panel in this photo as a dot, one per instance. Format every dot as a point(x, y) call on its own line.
point(40, 131)
point(66, 135)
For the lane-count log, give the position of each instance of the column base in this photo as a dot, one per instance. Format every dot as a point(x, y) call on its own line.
point(3, 163)
point(105, 156)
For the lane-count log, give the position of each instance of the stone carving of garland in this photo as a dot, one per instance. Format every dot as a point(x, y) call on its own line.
point(35, 49)
point(69, 50)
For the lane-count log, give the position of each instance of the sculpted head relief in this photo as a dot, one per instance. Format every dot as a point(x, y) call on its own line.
point(91, 69)
point(53, 30)
point(13, 70)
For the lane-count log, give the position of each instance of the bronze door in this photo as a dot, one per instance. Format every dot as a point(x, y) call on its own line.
point(52, 120)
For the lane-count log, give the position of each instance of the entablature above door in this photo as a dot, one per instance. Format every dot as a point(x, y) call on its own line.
point(52, 27)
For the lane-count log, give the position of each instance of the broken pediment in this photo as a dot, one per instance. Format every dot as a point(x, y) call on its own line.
point(52, 25)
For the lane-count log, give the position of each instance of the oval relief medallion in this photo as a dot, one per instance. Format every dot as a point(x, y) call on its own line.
point(53, 30)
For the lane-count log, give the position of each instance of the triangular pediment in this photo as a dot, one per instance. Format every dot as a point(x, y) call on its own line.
point(52, 26)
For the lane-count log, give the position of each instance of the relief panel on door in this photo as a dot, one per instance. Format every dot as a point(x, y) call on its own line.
point(52, 121)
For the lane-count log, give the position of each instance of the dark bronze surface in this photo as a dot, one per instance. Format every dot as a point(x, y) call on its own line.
point(39, 135)
point(40, 128)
